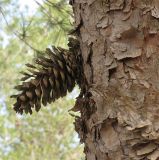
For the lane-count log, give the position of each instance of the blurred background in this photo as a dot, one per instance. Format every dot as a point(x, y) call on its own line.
point(26, 28)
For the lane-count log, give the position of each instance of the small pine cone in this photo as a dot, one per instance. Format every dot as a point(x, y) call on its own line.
point(50, 78)
point(74, 47)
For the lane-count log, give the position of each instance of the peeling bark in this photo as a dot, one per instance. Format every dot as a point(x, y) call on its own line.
point(119, 41)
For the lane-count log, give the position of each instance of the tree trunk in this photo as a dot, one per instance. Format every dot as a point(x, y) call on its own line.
point(119, 42)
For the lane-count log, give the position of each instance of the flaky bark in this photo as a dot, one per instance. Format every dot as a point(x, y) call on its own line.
point(120, 111)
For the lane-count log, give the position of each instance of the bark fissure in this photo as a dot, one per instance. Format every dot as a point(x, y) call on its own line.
point(89, 61)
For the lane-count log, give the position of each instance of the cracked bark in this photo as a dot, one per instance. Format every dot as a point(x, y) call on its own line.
point(119, 41)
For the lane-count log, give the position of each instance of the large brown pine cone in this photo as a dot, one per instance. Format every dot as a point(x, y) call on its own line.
point(50, 78)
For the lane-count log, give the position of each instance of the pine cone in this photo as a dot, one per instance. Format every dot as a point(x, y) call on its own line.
point(50, 78)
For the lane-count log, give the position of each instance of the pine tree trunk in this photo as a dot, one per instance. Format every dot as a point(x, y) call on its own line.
point(119, 41)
